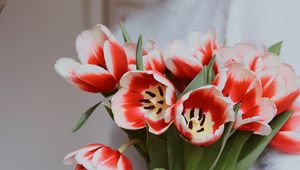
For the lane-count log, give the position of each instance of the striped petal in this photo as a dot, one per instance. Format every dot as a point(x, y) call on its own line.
point(243, 53)
point(180, 61)
point(145, 97)
point(288, 138)
point(66, 67)
point(242, 86)
point(203, 47)
point(257, 118)
point(152, 57)
point(200, 115)
point(115, 59)
point(96, 77)
point(281, 85)
point(153, 61)
point(99, 157)
point(89, 45)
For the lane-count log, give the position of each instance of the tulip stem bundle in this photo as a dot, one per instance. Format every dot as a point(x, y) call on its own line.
point(193, 105)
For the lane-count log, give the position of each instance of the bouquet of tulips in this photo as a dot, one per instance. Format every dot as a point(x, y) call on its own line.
point(192, 105)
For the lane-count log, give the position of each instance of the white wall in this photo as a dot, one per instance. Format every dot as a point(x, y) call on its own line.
point(37, 107)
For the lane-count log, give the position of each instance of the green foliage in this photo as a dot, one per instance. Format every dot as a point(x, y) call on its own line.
point(83, 118)
point(139, 50)
point(275, 48)
point(203, 78)
point(157, 149)
point(256, 144)
point(125, 34)
point(175, 146)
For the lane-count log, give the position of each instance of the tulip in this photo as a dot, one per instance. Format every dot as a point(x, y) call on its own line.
point(144, 98)
point(186, 59)
point(243, 87)
point(103, 62)
point(200, 115)
point(98, 157)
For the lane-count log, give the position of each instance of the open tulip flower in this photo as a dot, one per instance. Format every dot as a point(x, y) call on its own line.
point(98, 157)
point(186, 59)
point(200, 115)
point(152, 56)
point(144, 98)
point(243, 87)
point(190, 105)
point(288, 138)
point(103, 62)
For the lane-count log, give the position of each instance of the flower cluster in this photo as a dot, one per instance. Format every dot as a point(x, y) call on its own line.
point(247, 87)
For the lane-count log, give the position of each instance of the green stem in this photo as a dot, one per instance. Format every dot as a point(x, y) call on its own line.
point(128, 144)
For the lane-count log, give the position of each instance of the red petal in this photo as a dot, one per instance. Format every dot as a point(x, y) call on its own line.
point(126, 109)
point(94, 79)
point(115, 59)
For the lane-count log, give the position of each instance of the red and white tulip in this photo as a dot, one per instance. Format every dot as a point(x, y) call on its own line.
point(144, 98)
point(152, 56)
point(288, 138)
point(200, 115)
point(98, 157)
point(279, 81)
point(243, 87)
point(103, 62)
point(186, 59)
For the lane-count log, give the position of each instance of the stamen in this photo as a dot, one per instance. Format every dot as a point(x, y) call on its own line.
point(190, 125)
point(150, 93)
point(185, 119)
point(144, 100)
point(203, 120)
point(192, 113)
point(160, 91)
point(200, 130)
point(161, 102)
point(149, 107)
point(159, 111)
point(200, 114)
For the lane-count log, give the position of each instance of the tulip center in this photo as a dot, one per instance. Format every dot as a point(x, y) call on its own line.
point(153, 101)
point(198, 122)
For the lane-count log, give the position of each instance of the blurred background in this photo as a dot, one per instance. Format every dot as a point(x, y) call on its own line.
point(38, 108)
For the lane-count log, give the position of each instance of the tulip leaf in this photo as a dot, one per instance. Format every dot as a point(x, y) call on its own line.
point(256, 144)
point(157, 149)
point(192, 156)
point(139, 50)
point(204, 77)
point(125, 34)
point(83, 118)
point(175, 146)
point(214, 151)
point(159, 169)
point(275, 48)
point(232, 150)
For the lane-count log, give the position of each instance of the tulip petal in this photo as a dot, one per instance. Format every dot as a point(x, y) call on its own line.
point(153, 61)
point(97, 77)
point(66, 67)
point(180, 62)
point(127, 111)
point(89, 47)
point(257, 118)
point(124, 163)
point(115, 59)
